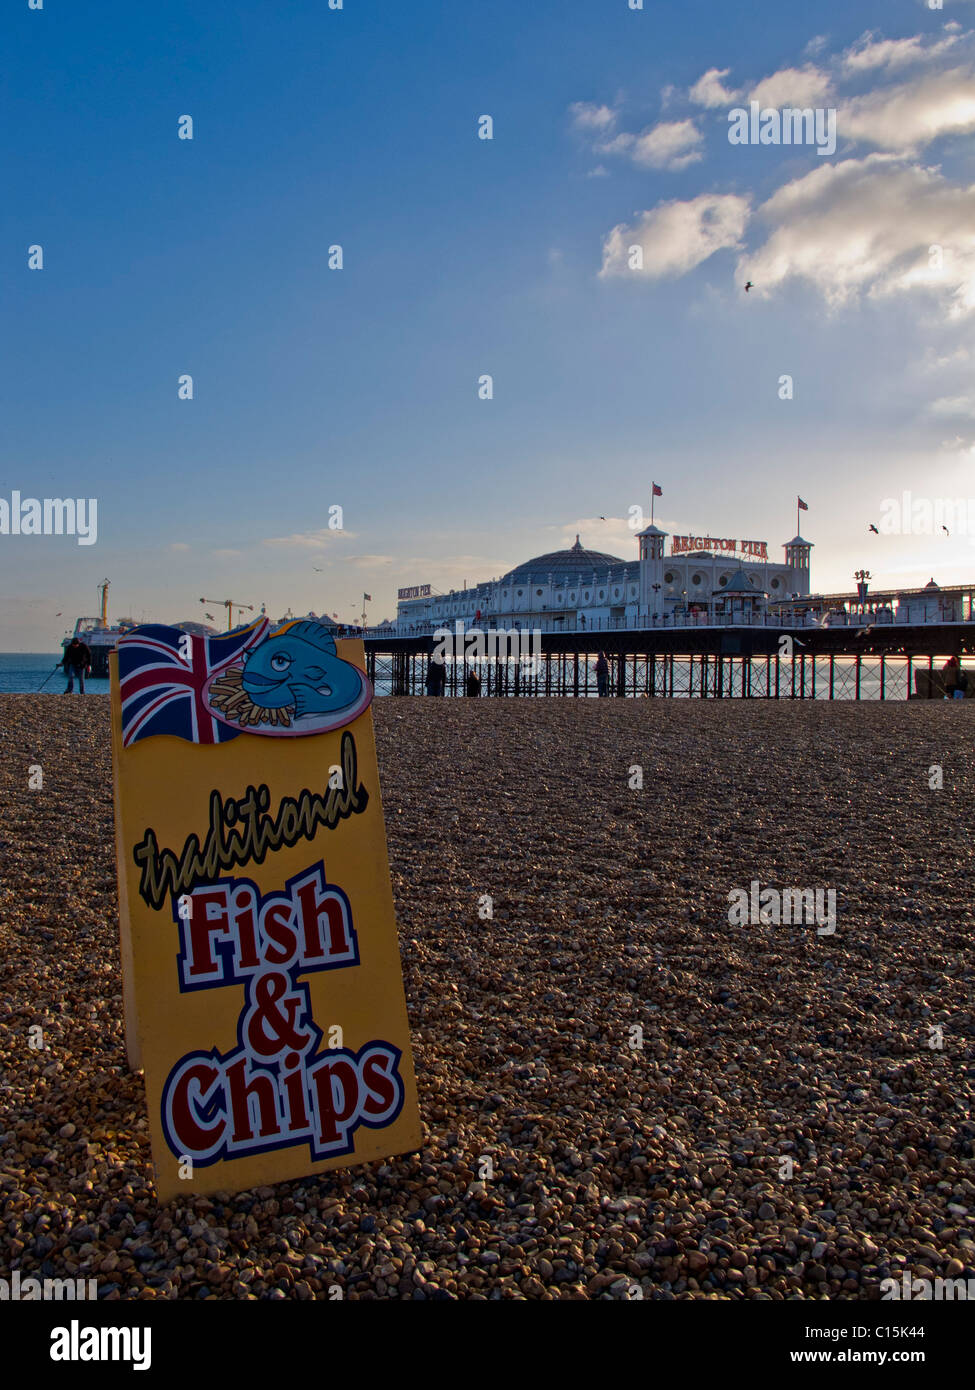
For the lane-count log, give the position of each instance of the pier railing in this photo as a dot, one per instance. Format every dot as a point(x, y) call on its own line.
point(545, 623)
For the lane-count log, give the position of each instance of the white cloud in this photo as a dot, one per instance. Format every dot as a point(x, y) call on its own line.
point(710, 91)
point(865, 227)
point(670, 145)
point(179, 545)
point(870, 53)
point(612, 535)
point(588, 115)
point(805, 86)
point(909, 116)
point(450, 571)
point(310, 540)
point(941, 361)
point(370, 561)
point(677, 236)
point(955, 406)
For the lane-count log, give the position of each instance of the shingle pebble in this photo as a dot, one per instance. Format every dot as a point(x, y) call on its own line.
point(620, 1090)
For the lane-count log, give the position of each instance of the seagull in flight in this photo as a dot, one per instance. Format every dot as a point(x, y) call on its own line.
point(819, 622)
point(945, 529)
point(874, 529)
point(317, 569)
point(749, 286)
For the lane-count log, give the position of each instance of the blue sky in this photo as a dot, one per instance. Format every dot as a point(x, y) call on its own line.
point(358, 387)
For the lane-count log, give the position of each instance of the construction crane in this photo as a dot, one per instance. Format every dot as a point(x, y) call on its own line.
point(230, 604)
point(103, 590)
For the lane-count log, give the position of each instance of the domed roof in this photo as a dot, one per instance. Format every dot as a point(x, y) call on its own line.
point(739, 583)
point(574, 563)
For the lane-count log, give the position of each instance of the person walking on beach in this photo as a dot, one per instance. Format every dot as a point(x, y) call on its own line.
point(436, 681)
point(602, 675)
point(473, 683)
point(77, 662)
point(949, 678)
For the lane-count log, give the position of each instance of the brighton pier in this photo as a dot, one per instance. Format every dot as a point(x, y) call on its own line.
point(713, 621)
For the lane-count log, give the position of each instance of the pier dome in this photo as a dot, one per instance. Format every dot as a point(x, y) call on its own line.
point(574, 563)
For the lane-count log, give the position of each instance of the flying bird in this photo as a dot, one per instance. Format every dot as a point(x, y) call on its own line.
point(602, 518)
point(819, 622)
point(317, 569)
point(874, 529)
point(210, 616)
point(749, 286)
point(945, 529)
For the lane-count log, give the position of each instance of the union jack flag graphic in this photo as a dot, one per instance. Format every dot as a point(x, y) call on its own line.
point(163, 673)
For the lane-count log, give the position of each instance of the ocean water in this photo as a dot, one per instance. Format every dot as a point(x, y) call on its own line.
point(21, 672)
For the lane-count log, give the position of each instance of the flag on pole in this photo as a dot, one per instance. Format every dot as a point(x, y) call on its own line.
point(803, 506)
point(367, 598)
point(657, 491)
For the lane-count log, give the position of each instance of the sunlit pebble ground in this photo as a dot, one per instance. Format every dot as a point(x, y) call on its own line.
point(612, 1167)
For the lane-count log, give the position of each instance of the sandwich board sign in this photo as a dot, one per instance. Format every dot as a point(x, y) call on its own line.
point(262, 982)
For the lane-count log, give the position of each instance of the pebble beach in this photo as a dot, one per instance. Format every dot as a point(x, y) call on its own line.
point(623, 1094)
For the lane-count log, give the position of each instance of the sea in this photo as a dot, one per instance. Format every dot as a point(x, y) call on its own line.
point(22, 672)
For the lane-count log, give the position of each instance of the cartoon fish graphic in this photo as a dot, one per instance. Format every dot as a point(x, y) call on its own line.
point(299, 665)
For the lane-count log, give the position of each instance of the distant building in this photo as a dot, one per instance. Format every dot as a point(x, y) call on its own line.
point(577, 587)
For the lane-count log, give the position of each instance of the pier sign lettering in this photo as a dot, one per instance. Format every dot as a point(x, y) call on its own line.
point(415, 591)
point(262, 981)
point(758, 550)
